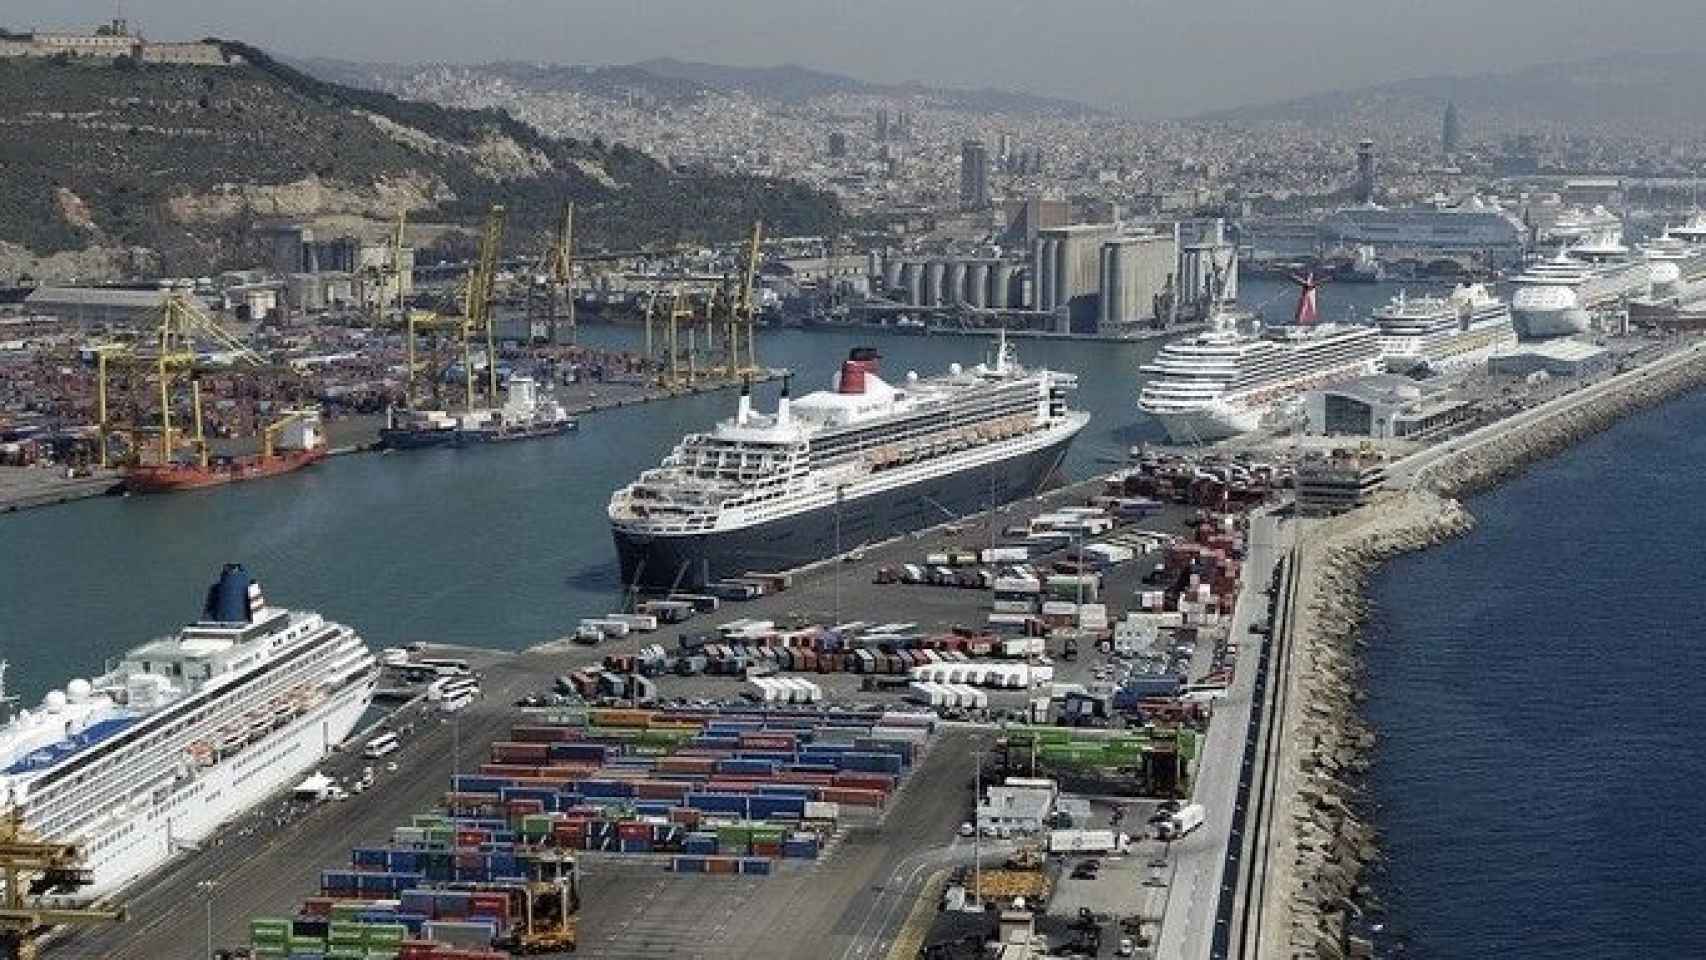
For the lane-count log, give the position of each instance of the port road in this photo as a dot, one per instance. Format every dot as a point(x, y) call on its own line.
point(1194, 895)
point(1414, 469)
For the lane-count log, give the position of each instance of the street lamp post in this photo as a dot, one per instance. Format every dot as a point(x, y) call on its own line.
point(207, 887)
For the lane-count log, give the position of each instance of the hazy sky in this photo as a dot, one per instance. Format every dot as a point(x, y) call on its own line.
point(1157, 57)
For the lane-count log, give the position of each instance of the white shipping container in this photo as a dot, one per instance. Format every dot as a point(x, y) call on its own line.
point(637, 621)
point(822, 810)
point(1013, 606)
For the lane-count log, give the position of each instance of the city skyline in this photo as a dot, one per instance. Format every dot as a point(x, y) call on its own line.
point(1121, 56)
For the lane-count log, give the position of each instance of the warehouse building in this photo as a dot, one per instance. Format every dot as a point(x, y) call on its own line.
point(1558, 358)
point(122, 306)
point(1017, 805)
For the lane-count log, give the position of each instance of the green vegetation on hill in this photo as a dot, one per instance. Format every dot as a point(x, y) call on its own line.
point(170, 158)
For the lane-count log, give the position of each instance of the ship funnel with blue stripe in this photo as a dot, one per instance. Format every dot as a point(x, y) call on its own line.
point(234, 597)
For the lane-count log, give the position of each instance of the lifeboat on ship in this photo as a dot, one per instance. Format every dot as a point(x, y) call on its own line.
point(201, 753)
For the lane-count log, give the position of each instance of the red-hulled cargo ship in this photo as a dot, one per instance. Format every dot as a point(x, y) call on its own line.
point(301, 445)
point(164, 478)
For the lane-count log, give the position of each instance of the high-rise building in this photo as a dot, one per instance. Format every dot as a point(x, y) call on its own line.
point(1449, 131)
point(974, 175)
point(1365, 171)
point(1004, 150)
point(837, 144)
point(882, 130)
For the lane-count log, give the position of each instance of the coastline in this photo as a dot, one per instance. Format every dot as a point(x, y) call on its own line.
point(1327, 837)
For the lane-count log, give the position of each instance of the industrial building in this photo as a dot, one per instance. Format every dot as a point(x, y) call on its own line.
point(1384, 407)
point(99, 305)
point(974, 175)
point(1558, 358)
point(1335, 483)
point(1017, 805)
point(981, 282)
point(1023, 219)
point(111, 41)
point(1208, 267)
point(1069, 273)
point(1136, 275)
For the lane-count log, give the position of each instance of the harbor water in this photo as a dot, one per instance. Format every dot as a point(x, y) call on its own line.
point(503, 547)
point(1537, 690)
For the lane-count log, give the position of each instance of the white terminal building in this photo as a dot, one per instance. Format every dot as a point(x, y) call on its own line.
point(1382, 407)
point(1018, 805)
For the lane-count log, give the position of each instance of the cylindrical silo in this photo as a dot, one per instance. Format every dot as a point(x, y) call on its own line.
point(912, 278)
point(933, 274)
point(1104, 275)
point(1062, 283)
point(955, 285)
point(1042, 275)
point(891, 272)
point(1001, 292)
point(977, 284)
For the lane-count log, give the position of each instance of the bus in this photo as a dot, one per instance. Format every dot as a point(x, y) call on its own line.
point(381, 745)
point(444, 667)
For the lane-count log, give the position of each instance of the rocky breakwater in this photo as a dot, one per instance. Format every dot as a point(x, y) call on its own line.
point(1489, 463)
point(1322, 835)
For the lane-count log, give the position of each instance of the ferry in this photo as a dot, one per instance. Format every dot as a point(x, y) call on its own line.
point(860, 462)
point(186, 733)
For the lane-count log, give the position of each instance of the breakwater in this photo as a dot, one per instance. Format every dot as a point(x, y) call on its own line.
point(1488, 464)
point(1328, 839)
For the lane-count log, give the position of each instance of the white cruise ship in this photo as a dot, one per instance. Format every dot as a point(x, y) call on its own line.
point(1576, 223)
point(1437, 333)
point(188, 732)
point(861, 462)
point(1225, 382)
point(1676, 260)
point(1559, 296)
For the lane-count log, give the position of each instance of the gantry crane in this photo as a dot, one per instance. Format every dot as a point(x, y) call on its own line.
point(477, 304)
point(29, 868)
point(181, 325)
point(747, 308)
point(556, 281)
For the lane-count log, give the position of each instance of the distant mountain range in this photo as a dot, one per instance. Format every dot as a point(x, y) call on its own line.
point(1624, 93)
point(671, 79)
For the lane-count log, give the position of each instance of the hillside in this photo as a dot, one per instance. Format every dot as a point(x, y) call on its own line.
point(684, 80)
point(1627, 94)
point(184, 161)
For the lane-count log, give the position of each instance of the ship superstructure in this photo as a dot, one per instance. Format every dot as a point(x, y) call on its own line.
point(1437, 333)
point(861, 462)
point(1559, 296)
point(185, 733)
point(1676, 260)
point(1226, 381)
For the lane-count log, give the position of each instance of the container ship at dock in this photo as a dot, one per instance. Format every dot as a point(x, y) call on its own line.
point(302, 444)
point(188, 732)
point(861, 462)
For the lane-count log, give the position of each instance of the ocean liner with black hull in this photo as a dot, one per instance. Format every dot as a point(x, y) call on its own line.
point(862, 462)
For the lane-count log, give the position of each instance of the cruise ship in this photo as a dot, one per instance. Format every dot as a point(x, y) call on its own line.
point(860, 462)
point(1473, 226)
point(1224, 382)
point(1676, 260)
point(1576, 223)
point(186, 733)
point(1438, 333)
point(1559, 296)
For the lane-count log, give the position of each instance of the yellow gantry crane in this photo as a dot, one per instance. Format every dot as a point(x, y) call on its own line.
point(30, 867)
point(557, 277)
point(181, 325)
point(477, 304)
point(746, 309)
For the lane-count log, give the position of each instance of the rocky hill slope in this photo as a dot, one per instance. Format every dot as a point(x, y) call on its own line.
point(156, 168)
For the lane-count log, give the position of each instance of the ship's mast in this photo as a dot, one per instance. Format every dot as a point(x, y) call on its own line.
point(5, 701)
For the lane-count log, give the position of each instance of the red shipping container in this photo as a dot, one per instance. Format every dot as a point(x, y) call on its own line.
point(630, 830)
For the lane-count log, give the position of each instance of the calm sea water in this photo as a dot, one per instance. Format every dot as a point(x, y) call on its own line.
point(1538, 690)
point(502, 547)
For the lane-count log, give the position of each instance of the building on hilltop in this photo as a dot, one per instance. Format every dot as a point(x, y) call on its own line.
point(110, 41)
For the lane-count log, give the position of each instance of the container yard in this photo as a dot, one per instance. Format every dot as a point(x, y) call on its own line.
point(793, 763)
